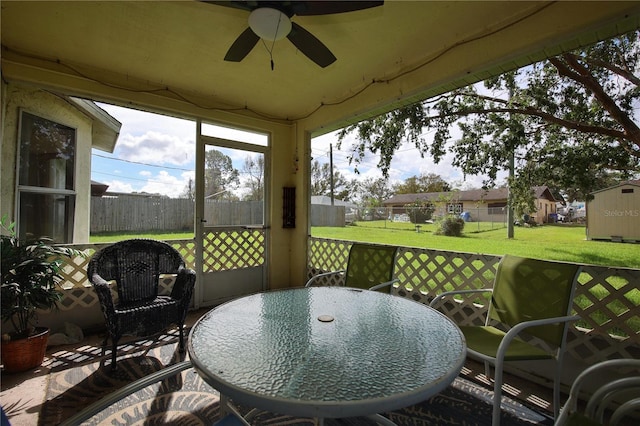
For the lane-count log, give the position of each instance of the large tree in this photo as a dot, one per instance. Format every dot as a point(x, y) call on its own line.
point(568, 122)
point(429, 182)
point(321, 180)
point(369, 194)
point(220, 177)
point(253, 171)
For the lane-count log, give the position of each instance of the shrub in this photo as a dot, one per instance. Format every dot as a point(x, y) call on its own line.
point(451, 226)
point(420, 211)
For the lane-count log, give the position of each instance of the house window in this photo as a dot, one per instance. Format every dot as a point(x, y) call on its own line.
point(46, 189)
point(454, 208)
point(496, 208)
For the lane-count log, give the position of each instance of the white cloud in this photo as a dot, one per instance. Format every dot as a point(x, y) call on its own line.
point(119, 186)
point(166, 184)
point(156, 148)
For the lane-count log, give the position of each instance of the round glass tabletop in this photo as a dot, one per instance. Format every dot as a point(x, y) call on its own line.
point(326, 351)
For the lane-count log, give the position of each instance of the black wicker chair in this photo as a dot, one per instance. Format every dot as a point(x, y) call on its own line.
point(135, 266)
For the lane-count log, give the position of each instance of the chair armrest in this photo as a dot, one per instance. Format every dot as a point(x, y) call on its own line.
point(184, 284)
point(449, 293)
point(103, 290)
point(324, 274)
point(385, 284)
point(515, 330)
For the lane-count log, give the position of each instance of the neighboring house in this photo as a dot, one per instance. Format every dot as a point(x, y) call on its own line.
point(614, 213)
point(46, 161)
point(482, 205)
point(98, 189)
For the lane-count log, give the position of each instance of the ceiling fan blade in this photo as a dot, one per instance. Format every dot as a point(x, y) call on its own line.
point(310, 46)
point(242, 46)
point(308, 8)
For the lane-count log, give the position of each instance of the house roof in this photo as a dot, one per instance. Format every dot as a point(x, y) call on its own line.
point(485, 195)
point(98, 189)
point(168, 55)
point(105, 129)
point(627, 183)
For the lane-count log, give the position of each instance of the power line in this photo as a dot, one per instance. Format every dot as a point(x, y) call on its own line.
point(137, 179)
point(143, 164)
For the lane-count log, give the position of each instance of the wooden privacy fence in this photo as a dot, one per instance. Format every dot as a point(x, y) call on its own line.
point(140, 214)
point(322, 215)
point(144, 214)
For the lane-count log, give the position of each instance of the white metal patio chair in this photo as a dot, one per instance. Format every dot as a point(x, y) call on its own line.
point(530, 297)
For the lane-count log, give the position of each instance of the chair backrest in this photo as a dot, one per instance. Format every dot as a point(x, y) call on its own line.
point(528, 289)
point(369, 265)
point(136, 266)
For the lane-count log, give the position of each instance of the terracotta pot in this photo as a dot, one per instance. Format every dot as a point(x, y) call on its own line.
point(25, 354)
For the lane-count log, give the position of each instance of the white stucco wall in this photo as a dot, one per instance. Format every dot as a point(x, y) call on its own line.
point(17, 97)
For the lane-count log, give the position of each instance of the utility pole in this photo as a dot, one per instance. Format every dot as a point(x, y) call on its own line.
point(510, 217)
point(331, 170)
point(512, 173)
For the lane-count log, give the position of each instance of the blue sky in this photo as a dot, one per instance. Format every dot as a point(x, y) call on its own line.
point(155, 154)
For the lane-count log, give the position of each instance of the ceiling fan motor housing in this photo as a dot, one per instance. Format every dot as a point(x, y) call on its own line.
point(269, 24)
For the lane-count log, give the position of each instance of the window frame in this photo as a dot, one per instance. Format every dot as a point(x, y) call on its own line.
point(455, 208)
point(42, 190)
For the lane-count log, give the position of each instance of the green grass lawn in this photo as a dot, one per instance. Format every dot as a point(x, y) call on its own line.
point(552, 242)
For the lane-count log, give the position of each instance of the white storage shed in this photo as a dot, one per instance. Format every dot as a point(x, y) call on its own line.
point(614, 213)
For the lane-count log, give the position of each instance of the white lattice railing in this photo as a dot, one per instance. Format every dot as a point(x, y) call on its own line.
point(610, 325)
point(606, 298)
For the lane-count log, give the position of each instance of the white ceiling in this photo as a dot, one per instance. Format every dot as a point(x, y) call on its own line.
point(171, 53)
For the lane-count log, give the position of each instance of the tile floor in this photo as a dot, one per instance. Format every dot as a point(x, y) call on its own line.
point(22, 394)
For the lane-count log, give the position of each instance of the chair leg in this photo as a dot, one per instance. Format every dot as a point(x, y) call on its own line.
point(104, 345)
point(487, 370)
point(181, 345)
point(556, 389)
point(497, 395)
point(114, 352)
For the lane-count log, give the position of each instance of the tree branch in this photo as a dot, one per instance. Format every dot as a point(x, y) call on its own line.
point(582, 75)
point(530, 111)
point(614, 69)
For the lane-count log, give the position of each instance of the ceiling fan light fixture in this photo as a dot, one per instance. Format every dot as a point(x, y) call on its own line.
point(269, 24)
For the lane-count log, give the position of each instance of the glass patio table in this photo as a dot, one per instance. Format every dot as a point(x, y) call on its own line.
point(326, 352)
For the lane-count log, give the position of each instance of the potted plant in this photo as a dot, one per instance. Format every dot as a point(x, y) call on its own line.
point(30, 281)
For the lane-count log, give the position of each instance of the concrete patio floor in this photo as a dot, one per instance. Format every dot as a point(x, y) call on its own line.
point(22, 394)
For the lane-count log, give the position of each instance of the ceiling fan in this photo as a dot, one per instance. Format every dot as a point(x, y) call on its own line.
point(271, 21)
